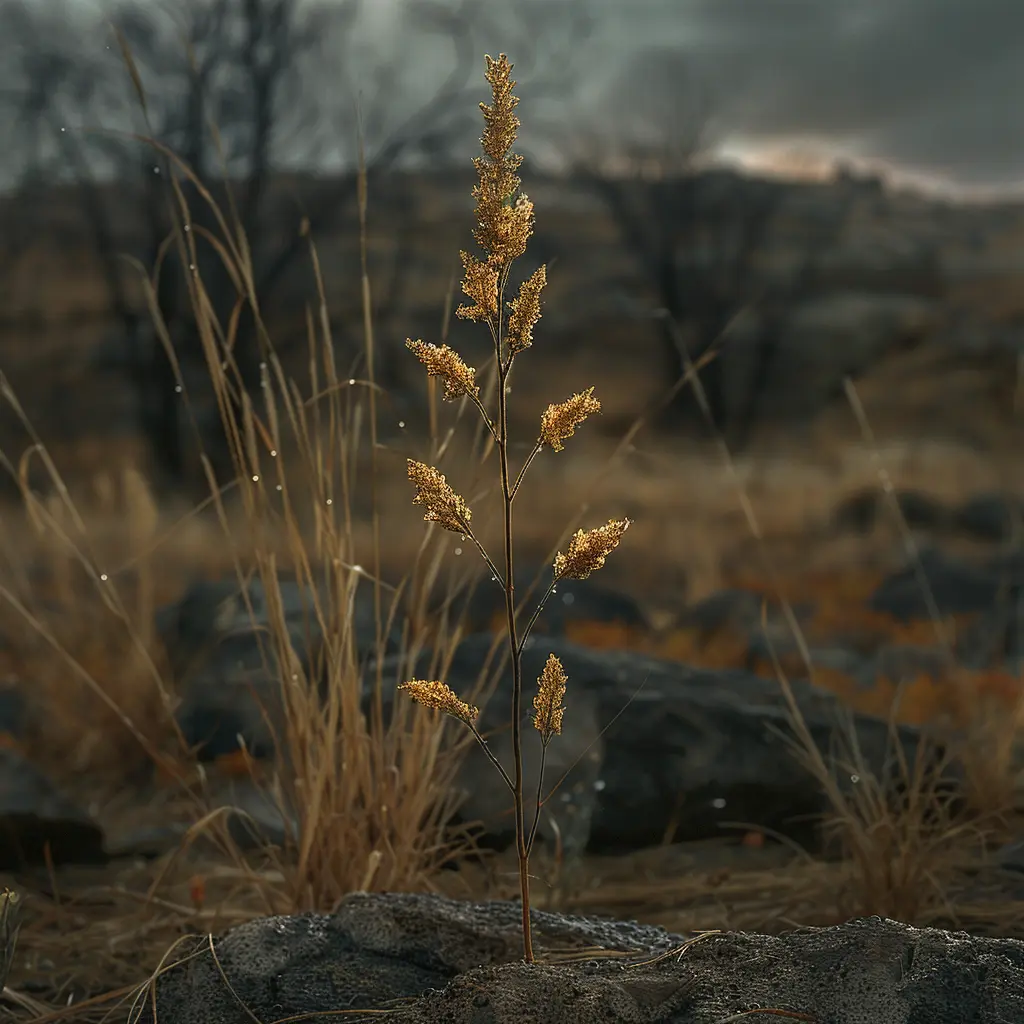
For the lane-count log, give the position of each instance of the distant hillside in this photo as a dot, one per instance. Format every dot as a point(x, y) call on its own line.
point(919, 299)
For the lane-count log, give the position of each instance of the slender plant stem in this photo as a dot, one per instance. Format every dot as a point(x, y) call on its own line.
point(515, 654)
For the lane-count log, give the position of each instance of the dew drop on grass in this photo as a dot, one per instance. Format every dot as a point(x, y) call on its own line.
point(401, 424)
point(458, 551)
point(177, 388)
point(255, 478)
point(330, 501)
point(855, 779)
point(351, 380)
point(103, 576)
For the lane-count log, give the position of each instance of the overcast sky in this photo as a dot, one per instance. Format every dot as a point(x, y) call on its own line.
point(934, 87)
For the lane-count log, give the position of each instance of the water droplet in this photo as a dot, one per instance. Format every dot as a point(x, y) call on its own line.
point(273, 453)
point(351, 380)
point(599, 784)
point(279, 487)
point(855, 779)
point(177, 387)
point(330, 501)
point(458, 551)
point(357, 568)
point(494, 578)
point(554, 590)
point(718, 803)
point(401, 424)
point(103, 576)
point(463, 536)
point(255, 478)
point(568, 598)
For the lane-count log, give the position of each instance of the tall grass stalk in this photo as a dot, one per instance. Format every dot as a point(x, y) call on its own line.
point(504, 223)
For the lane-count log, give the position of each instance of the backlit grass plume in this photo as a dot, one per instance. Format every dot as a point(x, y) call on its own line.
point(504, 223)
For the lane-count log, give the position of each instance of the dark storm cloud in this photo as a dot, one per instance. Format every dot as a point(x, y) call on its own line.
point(934, 85)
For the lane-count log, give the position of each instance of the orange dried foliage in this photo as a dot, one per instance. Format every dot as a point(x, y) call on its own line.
point(614, 635)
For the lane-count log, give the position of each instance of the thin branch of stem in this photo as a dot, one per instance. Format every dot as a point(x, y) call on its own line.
point(540, 799)
point(485, 415)
point(485, 747)
point(536, 613)
point(526, 465)
point(486, 557)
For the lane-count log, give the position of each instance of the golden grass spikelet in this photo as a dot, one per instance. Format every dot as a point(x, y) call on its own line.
point(444, 362)
point(547, 705)
point(500, 122)
point(502, 226)
point(480, 284)
point(526, 310)
point(560, 421)
point(432, 693)
point(588, 549)
point(444, 506)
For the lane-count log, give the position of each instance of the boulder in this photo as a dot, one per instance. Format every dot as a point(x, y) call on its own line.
point(424, 959)
point(221, 650)
point(38, 821)
point(688, 749)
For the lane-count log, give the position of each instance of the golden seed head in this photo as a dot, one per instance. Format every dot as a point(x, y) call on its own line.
point(560, 421)
point(502, 226)
point(480, 283)
point(500, 121)
point(435, 694)
point(547, 705)
point(444, 362)
point(443, 505)
point(588, 550)
point(526, 310)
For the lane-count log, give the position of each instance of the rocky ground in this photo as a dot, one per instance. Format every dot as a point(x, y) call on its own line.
point(678, 732)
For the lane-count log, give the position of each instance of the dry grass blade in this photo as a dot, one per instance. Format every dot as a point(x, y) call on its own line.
point(788, 1014)
point(10, 921)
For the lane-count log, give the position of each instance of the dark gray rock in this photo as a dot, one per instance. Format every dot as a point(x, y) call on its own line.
point(861, 511)
point(35, 817)
point(574, 601)
point(956, 587)
point(253, 815)
point(690, 749)
point(430, 960)
point(221, 649)
point(991, 517)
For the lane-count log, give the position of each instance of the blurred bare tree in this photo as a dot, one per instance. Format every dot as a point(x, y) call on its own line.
point(241, 92)
point(700, 244)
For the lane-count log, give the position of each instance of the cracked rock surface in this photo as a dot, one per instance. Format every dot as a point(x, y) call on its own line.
point(432, 960)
